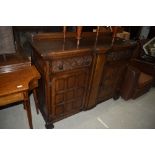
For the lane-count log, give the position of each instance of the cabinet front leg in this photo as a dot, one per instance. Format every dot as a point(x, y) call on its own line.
point(116, 95)
point(49, 125)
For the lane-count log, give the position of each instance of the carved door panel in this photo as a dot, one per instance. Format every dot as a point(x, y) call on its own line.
point(68, 93)
point(107, 82)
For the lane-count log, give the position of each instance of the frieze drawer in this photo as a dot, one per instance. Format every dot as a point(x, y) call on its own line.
point(70, 63)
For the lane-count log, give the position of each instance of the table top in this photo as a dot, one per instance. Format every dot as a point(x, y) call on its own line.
point(12, 62)
point(13, 58)
point(17, 81)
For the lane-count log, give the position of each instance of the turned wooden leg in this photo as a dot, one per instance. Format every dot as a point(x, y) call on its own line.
point(24, 106)
point(36, 100)
point(28, 109)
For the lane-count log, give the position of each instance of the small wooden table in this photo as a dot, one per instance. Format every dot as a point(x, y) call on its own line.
point(15, 86)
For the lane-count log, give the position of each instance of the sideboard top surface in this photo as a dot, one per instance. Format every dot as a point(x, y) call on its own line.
point(45, 45)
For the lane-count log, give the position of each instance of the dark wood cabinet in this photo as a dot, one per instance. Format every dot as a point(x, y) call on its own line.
point(65, 76)
point(113, 71)
point(75, 79)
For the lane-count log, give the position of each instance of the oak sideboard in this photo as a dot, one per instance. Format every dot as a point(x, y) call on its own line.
point(74, 78)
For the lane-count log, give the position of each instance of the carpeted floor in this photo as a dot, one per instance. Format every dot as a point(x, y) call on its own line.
point(119, 114)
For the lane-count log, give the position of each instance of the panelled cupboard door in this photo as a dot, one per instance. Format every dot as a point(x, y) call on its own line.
point(68, 92)
point(107, 83)
point(110, 80)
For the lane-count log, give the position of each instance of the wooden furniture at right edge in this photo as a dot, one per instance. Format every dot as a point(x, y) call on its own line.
point(73, 80)
point(108, 73)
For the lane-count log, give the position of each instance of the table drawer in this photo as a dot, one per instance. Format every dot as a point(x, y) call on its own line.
point(70, 63)
point(5, 100)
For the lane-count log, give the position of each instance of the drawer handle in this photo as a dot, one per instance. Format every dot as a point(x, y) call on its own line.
point(87, 63)
point(60, 67)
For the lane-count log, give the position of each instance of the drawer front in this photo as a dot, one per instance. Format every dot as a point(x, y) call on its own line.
point(121, 54)
point(70, 63)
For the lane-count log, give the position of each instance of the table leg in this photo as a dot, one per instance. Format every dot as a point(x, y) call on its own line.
point(36, 100)
point(28, 109)
point(24, 107)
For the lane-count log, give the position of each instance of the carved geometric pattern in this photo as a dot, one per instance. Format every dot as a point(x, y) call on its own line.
point(71, 63)
point(69, 93)
point(118, 55)
point(110, 80)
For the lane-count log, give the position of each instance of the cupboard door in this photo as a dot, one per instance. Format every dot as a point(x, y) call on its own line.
point(68, 93)
point(111, 81)
point(107, 82)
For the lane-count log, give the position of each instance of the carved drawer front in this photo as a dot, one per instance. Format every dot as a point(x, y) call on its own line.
point(70, 63)
point(119, 55)
point(69, 93)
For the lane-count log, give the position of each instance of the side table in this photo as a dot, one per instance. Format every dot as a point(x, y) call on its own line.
point(15, 86)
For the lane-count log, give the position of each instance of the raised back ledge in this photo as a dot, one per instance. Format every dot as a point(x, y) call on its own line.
point(103, 45)
point(60, 35)
point(54, 35)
